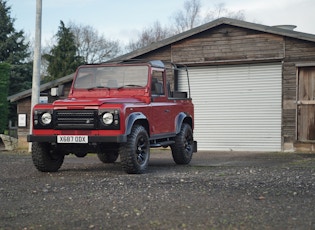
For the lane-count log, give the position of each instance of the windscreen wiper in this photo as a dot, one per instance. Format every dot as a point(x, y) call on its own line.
point(130, 85)
point(98, 87)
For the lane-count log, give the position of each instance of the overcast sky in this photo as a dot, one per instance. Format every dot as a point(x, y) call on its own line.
point(124, 19)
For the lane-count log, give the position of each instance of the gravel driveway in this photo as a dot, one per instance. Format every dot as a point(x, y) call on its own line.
point(216, 191)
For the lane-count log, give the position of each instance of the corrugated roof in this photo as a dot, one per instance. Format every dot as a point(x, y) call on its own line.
point(179, 37)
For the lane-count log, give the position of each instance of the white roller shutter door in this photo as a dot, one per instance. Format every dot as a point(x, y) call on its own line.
point(237, 107)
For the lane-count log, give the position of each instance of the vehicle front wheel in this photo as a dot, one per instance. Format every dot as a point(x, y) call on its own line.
point(135, 153)
point(45, 158)
point(182, 150)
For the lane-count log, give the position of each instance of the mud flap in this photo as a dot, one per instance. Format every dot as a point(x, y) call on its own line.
point(195, 147)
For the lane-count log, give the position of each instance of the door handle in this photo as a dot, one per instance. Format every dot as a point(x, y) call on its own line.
point(167, 111)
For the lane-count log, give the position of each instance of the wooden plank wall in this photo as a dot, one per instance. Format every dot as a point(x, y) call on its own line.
point(227, 43)
point(296, 52)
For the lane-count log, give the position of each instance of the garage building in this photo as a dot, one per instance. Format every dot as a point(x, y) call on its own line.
point(252, 85)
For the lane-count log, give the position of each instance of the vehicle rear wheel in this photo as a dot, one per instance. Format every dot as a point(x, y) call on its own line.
point(182, 150)
point(135, 153)
point(108, 156)
point(45, 158)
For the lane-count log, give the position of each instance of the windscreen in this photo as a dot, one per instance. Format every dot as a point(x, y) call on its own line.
point(111, 77)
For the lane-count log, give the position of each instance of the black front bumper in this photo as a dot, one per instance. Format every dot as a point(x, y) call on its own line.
point(92, 139)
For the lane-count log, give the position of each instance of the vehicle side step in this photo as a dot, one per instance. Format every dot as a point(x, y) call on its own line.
point(161, 144)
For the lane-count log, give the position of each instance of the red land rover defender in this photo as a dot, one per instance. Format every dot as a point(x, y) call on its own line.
point(116, 109)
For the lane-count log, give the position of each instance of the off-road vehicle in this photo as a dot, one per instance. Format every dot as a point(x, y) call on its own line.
point(117, 109)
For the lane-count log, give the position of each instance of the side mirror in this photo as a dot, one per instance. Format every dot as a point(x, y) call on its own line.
point(57, 92)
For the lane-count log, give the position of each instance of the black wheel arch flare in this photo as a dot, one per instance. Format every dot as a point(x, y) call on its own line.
point(182, 118)
point(136, 117)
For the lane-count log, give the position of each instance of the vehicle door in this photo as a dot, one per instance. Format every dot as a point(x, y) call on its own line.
point(162, 119)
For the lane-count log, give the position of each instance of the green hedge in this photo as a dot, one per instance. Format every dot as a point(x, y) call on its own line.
point(4, 89)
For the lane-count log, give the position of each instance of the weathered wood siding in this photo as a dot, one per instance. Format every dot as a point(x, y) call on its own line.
point(227, 43)
point(296, 52)
point(164, 54)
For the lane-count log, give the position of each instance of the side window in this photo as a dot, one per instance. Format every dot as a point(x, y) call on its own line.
point(157, 85)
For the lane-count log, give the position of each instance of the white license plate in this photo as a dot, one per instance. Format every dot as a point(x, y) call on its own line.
point(72, 139)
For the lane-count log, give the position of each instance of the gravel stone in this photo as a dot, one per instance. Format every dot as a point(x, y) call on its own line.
point(217, 190)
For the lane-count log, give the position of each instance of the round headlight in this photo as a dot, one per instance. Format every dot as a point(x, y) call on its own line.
point(108, 118)
point(46, 118)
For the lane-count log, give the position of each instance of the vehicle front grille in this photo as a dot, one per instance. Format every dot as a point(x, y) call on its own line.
point(75, 119)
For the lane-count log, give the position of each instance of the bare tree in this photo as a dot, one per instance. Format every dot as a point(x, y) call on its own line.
point(221, 11)
point(92, 46)
point(184, 19)
point(188, 17)
point(149, 35)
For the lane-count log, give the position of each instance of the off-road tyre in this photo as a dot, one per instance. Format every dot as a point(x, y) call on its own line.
point(182, 150)
point(108, 156)
point(45, 158)
point(135, 153)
